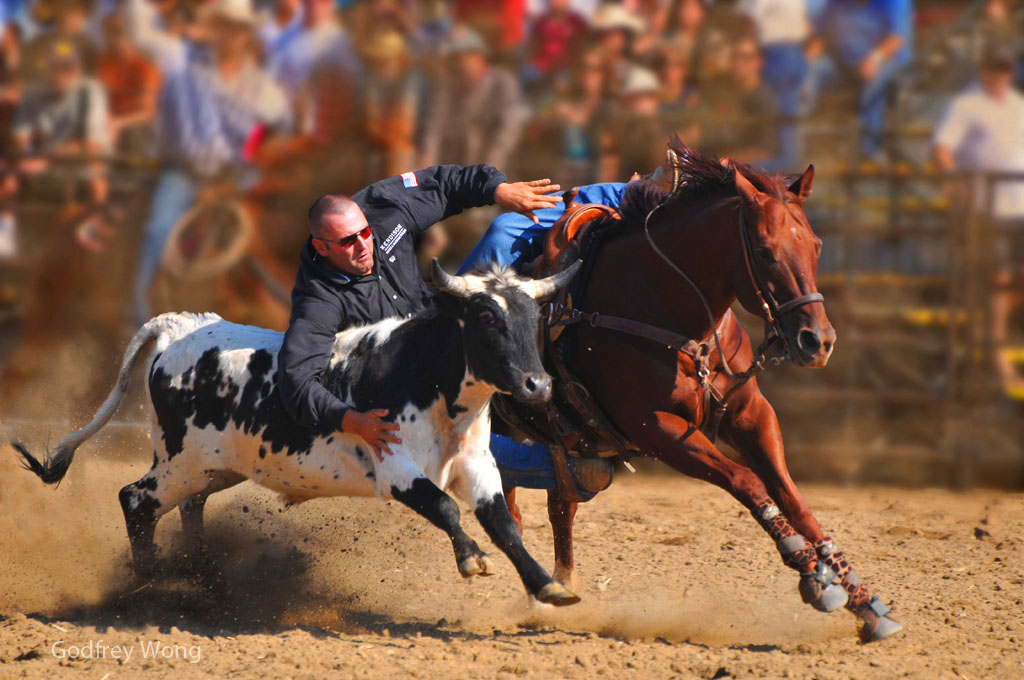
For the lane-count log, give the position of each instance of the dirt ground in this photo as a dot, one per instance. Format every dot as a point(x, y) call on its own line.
point(677, 581)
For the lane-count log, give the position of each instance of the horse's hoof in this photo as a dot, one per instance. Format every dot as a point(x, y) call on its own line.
point(818, 590)
point(878, 621)
point(832, 598)
point(558, 595)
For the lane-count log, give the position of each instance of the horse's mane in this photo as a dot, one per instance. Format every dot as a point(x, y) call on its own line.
point(700, 177)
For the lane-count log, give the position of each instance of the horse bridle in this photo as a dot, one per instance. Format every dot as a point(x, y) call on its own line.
point(772, 309)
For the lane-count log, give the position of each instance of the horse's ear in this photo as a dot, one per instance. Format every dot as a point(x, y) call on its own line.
point(746, 190)
point(801, 188)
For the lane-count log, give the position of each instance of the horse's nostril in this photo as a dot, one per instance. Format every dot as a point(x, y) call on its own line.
point(531, 384)
point(809, 341)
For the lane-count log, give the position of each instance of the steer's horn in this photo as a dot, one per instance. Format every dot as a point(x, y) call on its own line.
point(454, 285)
point(547, 287)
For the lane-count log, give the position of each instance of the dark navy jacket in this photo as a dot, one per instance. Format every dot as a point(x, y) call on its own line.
point(325, 301)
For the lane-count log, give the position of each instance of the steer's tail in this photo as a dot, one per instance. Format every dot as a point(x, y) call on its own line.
point(57, 464)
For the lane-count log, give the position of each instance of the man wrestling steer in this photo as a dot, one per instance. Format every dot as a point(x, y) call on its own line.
point(217, 389)
point(358, 266)
point(217, 417)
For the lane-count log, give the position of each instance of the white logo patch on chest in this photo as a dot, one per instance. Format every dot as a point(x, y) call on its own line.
point(393, 238)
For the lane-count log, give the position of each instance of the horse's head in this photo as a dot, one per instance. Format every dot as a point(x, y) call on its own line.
point(779, 280)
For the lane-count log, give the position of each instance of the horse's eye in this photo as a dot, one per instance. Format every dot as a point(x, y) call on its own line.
point(766, 255)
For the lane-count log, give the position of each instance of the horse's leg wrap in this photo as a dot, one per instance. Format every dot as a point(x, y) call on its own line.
point(796, 551)
point(837, 562)
point(879, 621)
point(816, 578)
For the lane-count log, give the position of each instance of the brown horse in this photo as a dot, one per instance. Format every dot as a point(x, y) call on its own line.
point(678, 260)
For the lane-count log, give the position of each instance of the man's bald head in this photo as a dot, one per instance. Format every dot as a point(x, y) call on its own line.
point(341, 234)
point(327, 206)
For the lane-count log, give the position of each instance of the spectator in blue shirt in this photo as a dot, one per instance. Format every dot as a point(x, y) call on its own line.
point(864, 43)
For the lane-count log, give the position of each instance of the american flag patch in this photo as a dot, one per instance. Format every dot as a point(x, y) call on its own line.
point(409, 180)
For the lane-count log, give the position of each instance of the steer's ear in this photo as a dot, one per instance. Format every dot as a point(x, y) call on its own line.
point(449, 304)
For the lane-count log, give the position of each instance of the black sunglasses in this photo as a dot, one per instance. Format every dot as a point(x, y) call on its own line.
point(350, 240)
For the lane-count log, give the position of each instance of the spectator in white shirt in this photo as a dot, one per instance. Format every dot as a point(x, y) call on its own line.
point(983, 130)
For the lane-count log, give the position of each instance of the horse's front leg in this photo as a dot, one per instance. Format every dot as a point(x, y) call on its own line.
point(677, 442)
point(753, 429)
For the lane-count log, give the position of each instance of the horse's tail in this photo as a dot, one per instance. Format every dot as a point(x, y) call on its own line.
point(57, 464)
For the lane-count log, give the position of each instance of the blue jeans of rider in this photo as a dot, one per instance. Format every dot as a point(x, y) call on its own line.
point(514, 240)
point(174, 194)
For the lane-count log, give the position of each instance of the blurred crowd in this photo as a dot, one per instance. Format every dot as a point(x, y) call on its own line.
point(214, 91)
point(119, 119)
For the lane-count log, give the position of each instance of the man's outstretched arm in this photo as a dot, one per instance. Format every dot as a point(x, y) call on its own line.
point(436, 193)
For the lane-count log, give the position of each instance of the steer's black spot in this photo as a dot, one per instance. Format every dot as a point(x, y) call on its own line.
point(360, 453)
point(211, 401)
point(214, 394)
point(263, 452)
point(260, 410)
point(370, 474)
point(173, 407)
point(394, 375)
point(146, 483)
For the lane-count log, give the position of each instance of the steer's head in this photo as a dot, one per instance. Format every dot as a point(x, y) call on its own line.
point(498, 313)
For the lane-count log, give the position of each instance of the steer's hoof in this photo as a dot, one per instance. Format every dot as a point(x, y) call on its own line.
point(476, 565)
point(558, 595)
point(487, 567)
point(832, 598)
point(878, 621)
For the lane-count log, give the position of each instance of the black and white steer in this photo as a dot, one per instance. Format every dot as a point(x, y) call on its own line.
point(218, 419)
